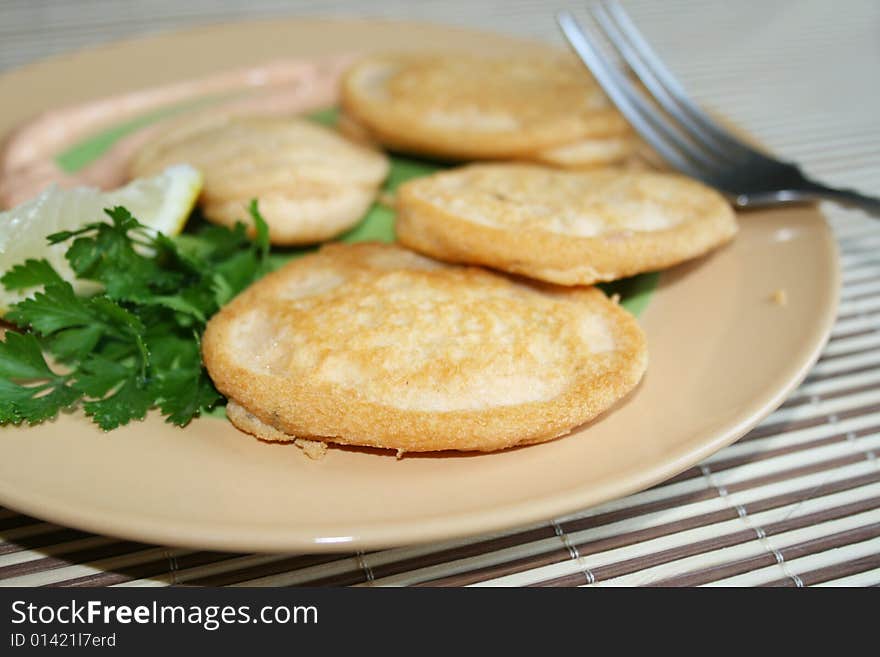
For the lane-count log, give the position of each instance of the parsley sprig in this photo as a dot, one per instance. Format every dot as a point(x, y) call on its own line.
point(136, 345)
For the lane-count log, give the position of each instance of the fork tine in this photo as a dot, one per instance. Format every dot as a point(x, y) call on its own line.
point(668, 91)
point(670, 145)
point(621, 42)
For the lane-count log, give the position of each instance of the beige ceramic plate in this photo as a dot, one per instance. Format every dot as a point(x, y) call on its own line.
point(722, 357)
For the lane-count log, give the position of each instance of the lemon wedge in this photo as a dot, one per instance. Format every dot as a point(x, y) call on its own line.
point(162, 203)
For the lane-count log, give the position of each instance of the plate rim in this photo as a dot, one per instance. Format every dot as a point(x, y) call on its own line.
point(442, 527)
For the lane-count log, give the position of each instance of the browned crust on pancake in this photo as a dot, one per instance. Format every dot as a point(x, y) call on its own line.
point(321, 411)
point(561, 258)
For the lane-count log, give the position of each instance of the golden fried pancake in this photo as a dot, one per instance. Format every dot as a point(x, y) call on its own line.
point(470, 107)
point(311, 183)
point(569, 228)
point(371, 344)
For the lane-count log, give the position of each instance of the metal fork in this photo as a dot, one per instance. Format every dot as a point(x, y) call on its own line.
point(684, 135)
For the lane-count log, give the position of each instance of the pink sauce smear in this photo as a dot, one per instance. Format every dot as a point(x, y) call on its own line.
point(28, 157)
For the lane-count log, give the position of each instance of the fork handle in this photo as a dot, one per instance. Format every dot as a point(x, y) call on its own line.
point(848, 197)
point(808, 190)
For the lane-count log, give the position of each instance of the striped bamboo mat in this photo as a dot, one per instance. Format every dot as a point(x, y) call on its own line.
point(794, 503)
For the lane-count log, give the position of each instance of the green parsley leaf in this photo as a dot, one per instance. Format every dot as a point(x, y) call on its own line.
point(107, 255)
point(115, 317)
point(31, 273)
point(41, 407)
point(22, 359)
point(130, 402)
point(99, 375)
point(184, 393)
point(11, 396)
point(136, 345)
point(56, 308)
point(74, 343)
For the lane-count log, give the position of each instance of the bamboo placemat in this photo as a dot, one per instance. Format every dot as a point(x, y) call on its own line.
point(796, 502)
